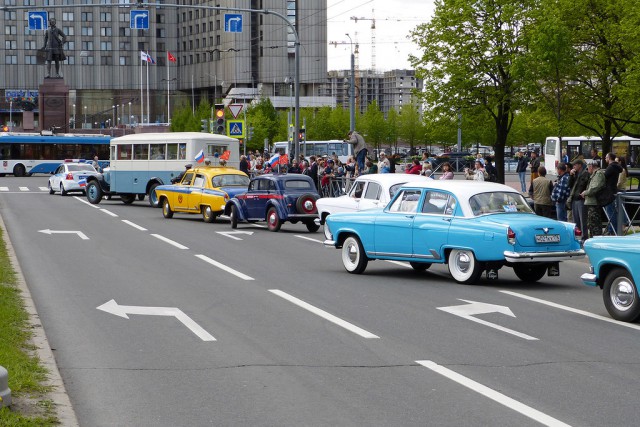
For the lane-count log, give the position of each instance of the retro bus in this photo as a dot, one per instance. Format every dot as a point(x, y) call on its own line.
point(24, 154)
point(318, 148)
point(579, 147)
point(141, 162)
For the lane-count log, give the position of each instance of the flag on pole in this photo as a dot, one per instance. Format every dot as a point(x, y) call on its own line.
point(274, 160)
point(225, 155)
point(144, 56)
point(200, 156)
point(284, 160)
point(170, 57)
point(150, 59)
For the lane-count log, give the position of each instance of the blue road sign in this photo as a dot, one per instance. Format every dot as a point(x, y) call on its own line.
point(235, 128)
point(232, 22)
point(139, 20)
point(38, 20)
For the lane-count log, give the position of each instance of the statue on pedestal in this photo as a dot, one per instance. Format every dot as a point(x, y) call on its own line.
point(54, 40)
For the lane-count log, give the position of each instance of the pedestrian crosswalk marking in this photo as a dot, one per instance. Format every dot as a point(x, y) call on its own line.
point(24, 188)
point(4, 188)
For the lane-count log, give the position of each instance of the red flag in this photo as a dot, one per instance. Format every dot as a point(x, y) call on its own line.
point(171, 57)
point(284, 160)
point(225, 155)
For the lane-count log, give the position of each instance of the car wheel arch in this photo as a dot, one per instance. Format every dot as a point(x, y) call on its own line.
point(605, 268)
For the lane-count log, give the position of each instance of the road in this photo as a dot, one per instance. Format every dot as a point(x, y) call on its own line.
point(261, 328)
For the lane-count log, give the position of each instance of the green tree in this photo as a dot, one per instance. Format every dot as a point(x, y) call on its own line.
point(374, 123)
point(469, 51)
point(410, 125)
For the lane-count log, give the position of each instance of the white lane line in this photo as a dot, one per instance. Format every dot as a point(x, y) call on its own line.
point(24, 188)
point(139, 227)
point(510, 403)
point(43, 188)
point(327, 316)
point(171, 242)
point(307, 238)
point(259, 225)
point(108, 212)
point(4, 188)
point(224, 267)
point(86, 202)
point(401, 263)
point(573, 310)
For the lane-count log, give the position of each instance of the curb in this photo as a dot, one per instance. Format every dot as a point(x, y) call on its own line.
point(64, 411)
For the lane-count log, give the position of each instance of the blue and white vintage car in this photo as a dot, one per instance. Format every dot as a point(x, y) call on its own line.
point(615, 268)
point(471, 226)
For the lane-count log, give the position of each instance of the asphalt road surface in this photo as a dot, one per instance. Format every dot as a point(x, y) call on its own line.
point(166, 322)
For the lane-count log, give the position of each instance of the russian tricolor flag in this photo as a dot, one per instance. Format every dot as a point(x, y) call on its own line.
point(274, 159)
point(82, 183)
point(200, 156)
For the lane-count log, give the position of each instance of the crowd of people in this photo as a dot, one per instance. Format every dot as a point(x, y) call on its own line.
point(582, 189)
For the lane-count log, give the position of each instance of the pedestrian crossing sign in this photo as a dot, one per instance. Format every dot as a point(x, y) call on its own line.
point(235, 129)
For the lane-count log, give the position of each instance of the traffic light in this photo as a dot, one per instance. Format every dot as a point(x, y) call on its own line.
point(5, 128)
point(302, 135)
point(219, 118)
point(204, 124)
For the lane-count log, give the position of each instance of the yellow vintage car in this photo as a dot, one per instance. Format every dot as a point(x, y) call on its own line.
point(203, 190)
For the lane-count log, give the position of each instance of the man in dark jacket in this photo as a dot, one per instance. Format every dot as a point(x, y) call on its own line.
point(610, 190)
point(578, 181)
point(313, 171)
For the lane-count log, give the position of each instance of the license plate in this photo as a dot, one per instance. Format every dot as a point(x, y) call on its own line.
point(547, 238)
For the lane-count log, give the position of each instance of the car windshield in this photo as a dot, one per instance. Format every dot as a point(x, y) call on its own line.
point(394, 189)
point(76, 168)
point(498, 202)
point(230, 181)
point(295, 184)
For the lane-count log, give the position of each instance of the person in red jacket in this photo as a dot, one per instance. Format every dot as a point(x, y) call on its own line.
point(415, 168)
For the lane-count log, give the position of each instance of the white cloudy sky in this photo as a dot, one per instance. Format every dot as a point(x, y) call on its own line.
point(394, 20)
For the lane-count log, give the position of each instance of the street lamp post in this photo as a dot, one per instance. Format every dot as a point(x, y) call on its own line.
point(11, 115)
point(352, 89)
point(129, 114)
point(74, 116)
point(85, 116)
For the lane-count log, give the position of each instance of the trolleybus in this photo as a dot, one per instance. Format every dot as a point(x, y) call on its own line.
point(579, 147)
point(28, 153)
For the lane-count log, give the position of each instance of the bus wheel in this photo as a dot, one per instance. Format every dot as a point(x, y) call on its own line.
point(153, 198)
point(127, 199)
point(94, 192)
point(19, 170)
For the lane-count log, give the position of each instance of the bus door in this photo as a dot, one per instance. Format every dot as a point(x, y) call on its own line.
point(574, 150)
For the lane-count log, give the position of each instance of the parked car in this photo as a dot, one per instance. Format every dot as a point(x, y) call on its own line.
point(457, 159)
point(70, 177)
point(473, 227)
point(276, 198)
point(202, 190)
point(615, 268)
point(366, 192)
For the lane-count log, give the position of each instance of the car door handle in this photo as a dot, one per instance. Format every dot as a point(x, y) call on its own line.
point(409, 216)
point(447, 219)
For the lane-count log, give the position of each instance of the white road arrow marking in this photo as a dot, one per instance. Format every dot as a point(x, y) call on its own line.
point(79, 233)
point(112, 307)
point(467, 311)
point(230, 234)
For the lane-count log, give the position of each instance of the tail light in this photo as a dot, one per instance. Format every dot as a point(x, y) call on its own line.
point(577, 233)
point(511, 236)
point(69, 177)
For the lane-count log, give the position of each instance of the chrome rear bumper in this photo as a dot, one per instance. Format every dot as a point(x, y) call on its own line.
point(517, 257)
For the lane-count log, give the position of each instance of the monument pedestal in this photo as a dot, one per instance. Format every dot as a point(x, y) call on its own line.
point(54, 105)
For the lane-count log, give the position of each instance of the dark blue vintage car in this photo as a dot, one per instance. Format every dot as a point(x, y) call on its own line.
point(276, 199)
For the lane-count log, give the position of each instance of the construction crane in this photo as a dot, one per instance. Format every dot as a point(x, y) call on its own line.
point(373, 36)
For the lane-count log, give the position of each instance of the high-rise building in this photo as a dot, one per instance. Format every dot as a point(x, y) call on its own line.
point(219, 54)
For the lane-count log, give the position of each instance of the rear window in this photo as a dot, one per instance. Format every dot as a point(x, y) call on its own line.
point(75, 168)
point(498, 202)
point(295, 184)
point(230, 181)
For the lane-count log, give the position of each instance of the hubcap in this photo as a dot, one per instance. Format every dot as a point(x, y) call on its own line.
point(352, 252)
point(463, 262)
point(272, 219)
point(623, 294)
point(308, 205)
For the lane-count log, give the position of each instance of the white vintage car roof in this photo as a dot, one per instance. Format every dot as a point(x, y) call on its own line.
point(389, 179)
point(463, 189)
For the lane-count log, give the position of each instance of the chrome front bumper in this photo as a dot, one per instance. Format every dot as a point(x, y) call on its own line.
point(517, 257)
